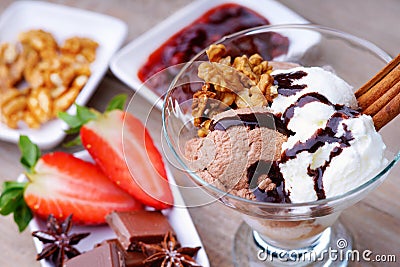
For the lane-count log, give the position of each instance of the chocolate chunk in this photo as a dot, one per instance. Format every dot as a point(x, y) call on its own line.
point(106, 255)
point(132, 258)
point(108, 241)
point(138, 226)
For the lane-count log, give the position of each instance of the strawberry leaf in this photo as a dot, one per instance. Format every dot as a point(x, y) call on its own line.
point(75, 122)
point(74, 142)
point(13, 185)
point(117, 102)
point(73, 130)
point(72, 121)
point(30, 153)
point(85, 114)
point(12, 201)
point(22, 216)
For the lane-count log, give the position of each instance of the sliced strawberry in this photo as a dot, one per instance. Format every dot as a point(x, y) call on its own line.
point(63, 184)
point(145, 178)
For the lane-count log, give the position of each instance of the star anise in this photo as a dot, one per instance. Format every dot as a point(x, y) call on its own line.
point(58, 244)
point(169, 253)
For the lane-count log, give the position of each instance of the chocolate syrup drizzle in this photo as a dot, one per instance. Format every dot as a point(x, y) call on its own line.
point(284, 81)
point(251, 120)
point(321, 136)
point(271, 169)
point(301, 102)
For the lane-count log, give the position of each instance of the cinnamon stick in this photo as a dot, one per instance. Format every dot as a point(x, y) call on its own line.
point(380, 88)
point(380, 96)
point(379, 76)
point(387, 113)
point(383, 100)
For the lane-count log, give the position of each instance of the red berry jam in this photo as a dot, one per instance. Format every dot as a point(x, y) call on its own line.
point(210, 27)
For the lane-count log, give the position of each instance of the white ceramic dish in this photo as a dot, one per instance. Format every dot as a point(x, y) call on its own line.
point(63, 22)
point(127, 62)
point(178, 217)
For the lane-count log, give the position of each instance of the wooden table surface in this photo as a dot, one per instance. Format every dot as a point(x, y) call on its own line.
point(375, 221)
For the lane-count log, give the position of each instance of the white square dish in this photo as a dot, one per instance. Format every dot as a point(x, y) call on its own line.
point(62, 22)
point(127, 62)
point(178, 217)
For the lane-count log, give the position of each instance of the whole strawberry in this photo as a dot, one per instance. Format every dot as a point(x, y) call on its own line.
point(61, 184)
point(117, 137)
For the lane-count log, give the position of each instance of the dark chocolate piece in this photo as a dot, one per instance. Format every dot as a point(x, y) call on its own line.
point(132, 258)
point(108, 241)
point(138, 226)
point(106, 255)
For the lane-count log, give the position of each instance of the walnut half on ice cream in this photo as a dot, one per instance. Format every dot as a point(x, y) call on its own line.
point(230, 83)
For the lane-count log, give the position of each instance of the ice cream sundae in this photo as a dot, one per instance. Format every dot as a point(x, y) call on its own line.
point(279, 132)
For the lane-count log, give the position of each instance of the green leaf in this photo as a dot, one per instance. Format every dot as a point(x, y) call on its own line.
point(85, 114)
point(74, 142)
point(30, 153)
point(71, 120)
point(22, 216)
point(13, 185)
point(117, 102)
point(75, 122)
point(73, 130)
point(10, 199)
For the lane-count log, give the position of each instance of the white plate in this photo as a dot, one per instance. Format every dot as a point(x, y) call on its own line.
point(178, 217)
point(127, 62)
point(63, 22)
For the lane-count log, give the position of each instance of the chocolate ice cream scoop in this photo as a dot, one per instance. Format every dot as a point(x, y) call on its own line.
point(237, 141)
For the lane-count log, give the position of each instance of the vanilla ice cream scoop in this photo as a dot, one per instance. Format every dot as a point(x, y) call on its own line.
point(334, 148)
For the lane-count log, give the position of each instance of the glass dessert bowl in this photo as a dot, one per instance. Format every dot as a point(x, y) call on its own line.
point(283, 234)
